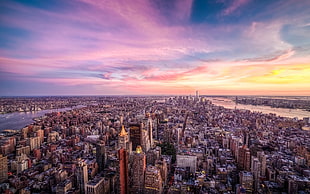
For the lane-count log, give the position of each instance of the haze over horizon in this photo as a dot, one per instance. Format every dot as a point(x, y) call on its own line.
point(155, 47)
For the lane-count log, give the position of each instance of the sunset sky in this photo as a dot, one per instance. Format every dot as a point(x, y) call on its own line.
point(140, 47)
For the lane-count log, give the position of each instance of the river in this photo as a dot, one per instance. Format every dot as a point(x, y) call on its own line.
point(284, 112)
point(18, 120)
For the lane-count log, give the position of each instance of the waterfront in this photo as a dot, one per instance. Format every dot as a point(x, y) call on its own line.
point(18, 120)
point(284, 112)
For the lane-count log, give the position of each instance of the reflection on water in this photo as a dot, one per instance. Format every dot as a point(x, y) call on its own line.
point(284, 112)
point(18, 120)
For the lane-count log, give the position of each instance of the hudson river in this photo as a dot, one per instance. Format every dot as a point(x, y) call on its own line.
point(18, 120)
point(284, 112)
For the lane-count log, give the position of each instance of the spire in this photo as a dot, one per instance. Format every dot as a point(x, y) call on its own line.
point(139, 149)
point(123, 131)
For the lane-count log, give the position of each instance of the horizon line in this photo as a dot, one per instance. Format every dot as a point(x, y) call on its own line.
point(152, 95)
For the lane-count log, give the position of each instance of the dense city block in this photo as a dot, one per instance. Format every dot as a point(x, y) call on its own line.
point(157, 144)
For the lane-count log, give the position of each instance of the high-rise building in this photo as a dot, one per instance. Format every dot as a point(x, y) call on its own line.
point(40, 134)
point(123, 139)
point(135, 134)
point(34, 142)
point(149, 128)
point(197, 94)
point(163, 167)
point(246, 181)
point(145, 141)
point(64, 187)
point(101, 155)
point(262, 158)
point(247, 160)
point(138, 166)
point(95, 186)
point(187, 161)
point(244, 158)
point(123, 171)
point(167, 134)
point(81, 175)
point(155, 126)
point(3, 168)
point(153, 181)
point(256, 171)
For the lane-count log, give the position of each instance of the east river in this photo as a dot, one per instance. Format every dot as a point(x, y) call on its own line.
point(284, 112)
point(18, 120)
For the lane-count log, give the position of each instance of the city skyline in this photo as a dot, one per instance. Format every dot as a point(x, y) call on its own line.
point(85, 47)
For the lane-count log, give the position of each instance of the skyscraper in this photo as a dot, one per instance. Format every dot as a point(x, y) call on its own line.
point(163, 167)
point(123, 139)
point(187, 161)
point(153, 180)
point(145, 141)
point(244, 158)
point(262, 158)
point(101, 155)
point(95, 186)
point(138, 166)
point(246, 181)
point(81, 175)
point(136, 134)
point(149, 128)
point(3, 168)
point(256, 171)
point(123, 170)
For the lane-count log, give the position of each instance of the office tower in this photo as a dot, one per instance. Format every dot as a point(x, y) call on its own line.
point(123, 170)
point(81, 175)
point(262, 158)
point(187, 161)
point(244, 158)
point(246, 181)
point(95, 186)
point(40, 134)
point(138, 166)
point(155, 126)
point(63, 187)
point(135, 134)
point(152, 155)
point(101, 155)
point(145, 141)
point(163, 167)
point(3, 168)
point(247, 160)
point(256, 171)
point(150, 131)
point(34, 142)
point(167, 134)
point(153, 180)
point(123, 139)
point(197, 94)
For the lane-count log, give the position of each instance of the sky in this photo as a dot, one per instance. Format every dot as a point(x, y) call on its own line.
point(154, 47)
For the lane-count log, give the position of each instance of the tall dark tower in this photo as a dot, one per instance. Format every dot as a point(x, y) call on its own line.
point(138, 171)
point(197, 95)
point(101, 155)
point(123, 170)
point(135, 134)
